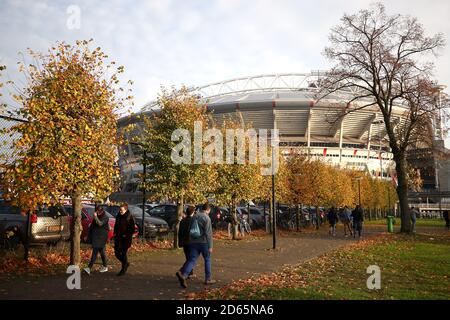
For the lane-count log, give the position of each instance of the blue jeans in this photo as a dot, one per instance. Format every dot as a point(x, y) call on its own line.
point(95, 252)
point(195, 249)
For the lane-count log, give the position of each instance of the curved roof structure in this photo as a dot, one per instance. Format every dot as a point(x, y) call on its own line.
point(329, 127)
point(287, 102)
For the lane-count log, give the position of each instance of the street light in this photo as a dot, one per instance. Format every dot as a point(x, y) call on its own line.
point(144, 179)
point(274, 145)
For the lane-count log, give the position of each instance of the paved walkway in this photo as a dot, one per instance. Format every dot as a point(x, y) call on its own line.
point(152, 275)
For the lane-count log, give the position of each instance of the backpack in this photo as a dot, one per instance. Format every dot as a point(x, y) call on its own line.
point(194, 231)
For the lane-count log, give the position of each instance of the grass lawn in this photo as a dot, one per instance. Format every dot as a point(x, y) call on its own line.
point(412, 267)
point(419, 223)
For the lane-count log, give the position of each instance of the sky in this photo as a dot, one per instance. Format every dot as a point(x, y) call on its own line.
point(196, 42)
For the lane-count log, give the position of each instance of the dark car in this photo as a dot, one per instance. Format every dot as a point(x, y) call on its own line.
point(154, 227)
point(256, 218)
point(215, 215)
point(47, 225)
point(166, 212)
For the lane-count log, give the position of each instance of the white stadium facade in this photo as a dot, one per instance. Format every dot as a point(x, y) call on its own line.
point(324, 129)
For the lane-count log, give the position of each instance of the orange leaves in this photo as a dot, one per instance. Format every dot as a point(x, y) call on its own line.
point(303, 276)
point(46, 262)
point(71, 131)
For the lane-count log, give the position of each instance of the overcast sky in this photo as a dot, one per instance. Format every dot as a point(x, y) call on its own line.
point(195, 42)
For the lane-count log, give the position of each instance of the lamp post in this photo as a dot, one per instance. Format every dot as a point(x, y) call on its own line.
point(144, 179)
point(274, 145)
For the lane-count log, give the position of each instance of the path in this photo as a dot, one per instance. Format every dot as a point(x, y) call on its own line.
point(152, 275)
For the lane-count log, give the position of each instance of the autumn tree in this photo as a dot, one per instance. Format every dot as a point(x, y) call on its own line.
point(177, 171)
point(381, 61)
point(238, 177)
point(342, 193)
point(67, 146)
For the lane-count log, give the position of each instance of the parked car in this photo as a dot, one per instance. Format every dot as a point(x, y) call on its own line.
point(87, 216)
point(256, 218)
point(148, 206)
point(47, 225)
point(166, 212)
point(154, 227)
point(215, 215)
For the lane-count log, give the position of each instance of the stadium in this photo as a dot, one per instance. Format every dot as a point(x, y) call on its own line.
point(324, 129)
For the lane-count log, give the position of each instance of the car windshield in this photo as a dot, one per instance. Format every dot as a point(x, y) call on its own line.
point(137, 212)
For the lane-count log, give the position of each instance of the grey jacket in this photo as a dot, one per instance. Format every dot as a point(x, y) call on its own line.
point(204, 223)
point(99, 230)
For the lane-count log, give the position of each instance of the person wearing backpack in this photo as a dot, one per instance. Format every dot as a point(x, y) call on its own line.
point(184, 234)
point(200, 242)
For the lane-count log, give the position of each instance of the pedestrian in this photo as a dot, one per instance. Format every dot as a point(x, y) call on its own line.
point(200, 242)
point(98, 236)
point(413, 215)
point(347, 221)
point(447, 219)
point(183, 234)
point(332, 219)
point(123, 236)
point(358, 219)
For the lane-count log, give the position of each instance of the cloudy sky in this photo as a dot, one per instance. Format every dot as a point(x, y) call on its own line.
point(195, 42)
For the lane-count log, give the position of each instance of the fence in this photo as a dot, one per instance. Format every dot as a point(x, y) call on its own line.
point(6, 139)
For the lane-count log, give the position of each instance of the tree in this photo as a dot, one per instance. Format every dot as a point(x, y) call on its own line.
point(237, 181)
point(342, 192)
point(167, 134)
point(67, 147)
point(380, 60)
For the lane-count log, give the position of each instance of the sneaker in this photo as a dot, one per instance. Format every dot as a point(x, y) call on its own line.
point(104, 269)
point(87, 270)
point(181, 279)
point(210, 281)
point(121, 273)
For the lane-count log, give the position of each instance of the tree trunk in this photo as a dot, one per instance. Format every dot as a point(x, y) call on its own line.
point(402, 192)
point(75, 258)
point(180, 206)
point(234, 223)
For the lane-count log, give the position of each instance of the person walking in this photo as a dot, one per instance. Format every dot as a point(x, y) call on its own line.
point(98, 236)
point(413, 215)
point(447, 219)
point(183, 234)
point(123, 236)
point(347, 221)
point(332, 219)
point(200, 242)
point(358, 219)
